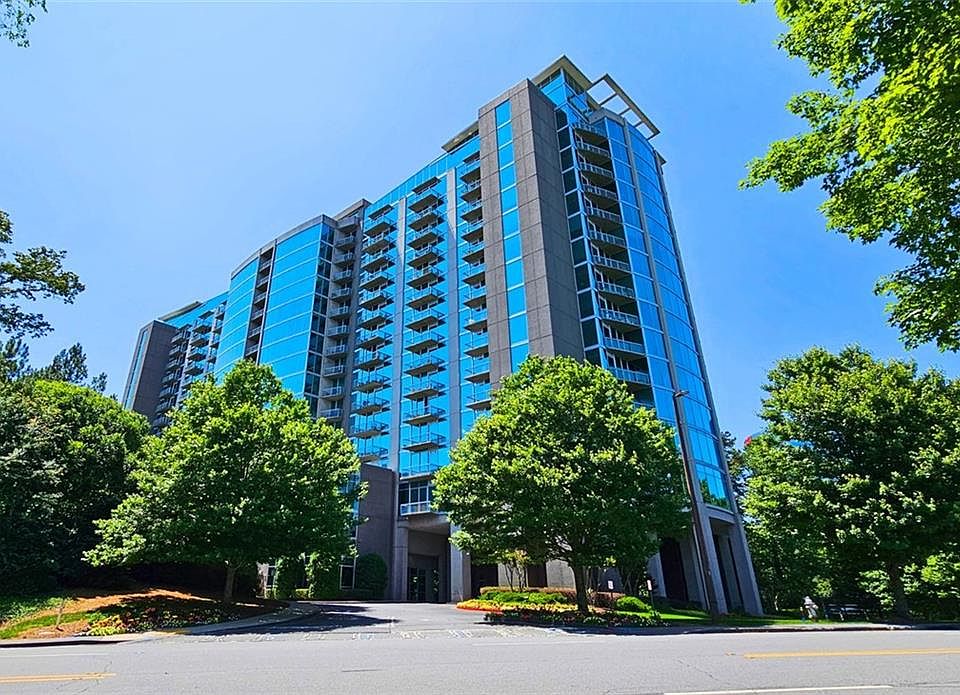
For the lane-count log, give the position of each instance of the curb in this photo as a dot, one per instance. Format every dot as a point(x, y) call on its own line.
point(71, 641)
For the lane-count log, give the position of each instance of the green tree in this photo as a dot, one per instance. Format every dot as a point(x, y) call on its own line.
point(65, 453)
point(860, 462)
point(370, 577)
point(565, 467)
point(883, 142)
point(68, 365)
point(36, 273)
point(16, 16)
point(242, 474)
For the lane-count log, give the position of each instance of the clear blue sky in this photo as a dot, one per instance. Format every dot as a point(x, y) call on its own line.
point(161, 143)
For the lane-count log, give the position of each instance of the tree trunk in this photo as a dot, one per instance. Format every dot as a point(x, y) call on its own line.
point(228, 584)
point(580, 581)
point(895, 584)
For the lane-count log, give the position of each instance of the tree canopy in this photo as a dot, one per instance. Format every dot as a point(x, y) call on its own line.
point(858, 469)
point(69, 365)
point(883, 142)
point(243, 474)
point(565, 467)
point(65, 454)
point(16, 16)
point(36, 273)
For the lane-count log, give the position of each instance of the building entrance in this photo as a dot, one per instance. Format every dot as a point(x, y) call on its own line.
point(423, 579)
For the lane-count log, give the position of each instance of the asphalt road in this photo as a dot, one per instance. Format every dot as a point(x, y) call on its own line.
point(404, 648)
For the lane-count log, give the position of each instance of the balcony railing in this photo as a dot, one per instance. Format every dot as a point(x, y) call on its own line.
point(372, 299)
point(334, 370)
point(370, 359)
point(423, 237)
point(369, 281)
point(607, 262)
point(475, 320)
point(372, 340)
point(342, 275)
point(630, 346)
point(613, 288)
point(344, 258)
point(423, 442)
point(332, 392)
point(425, 218)
point(598, 191)
point(597, 170)
point(371, 454)
point(422, 342)
point(471, 231)
point(341, 293)
point(602, 214)
point(416, 389)
point(369, 405)
point(373, 319)
point(474, 274)
point(338, 330)
point(475, 344)
point(423, 364)
point(631, 376)
point(473, 252)
point(331, 414)
point(419, 415)
point(408, 508)
point(372, 383)
point(378, 226)
point(424, 297)
point(620, 317)
point(427, 276)
point(592, 149)
point(424, 319)
point(378, 260)
point(368, 428)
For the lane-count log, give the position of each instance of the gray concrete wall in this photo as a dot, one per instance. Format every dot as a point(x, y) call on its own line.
point(378, 509)
point(155, 358)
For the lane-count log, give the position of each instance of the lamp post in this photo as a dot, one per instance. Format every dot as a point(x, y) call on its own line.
point(700, 544)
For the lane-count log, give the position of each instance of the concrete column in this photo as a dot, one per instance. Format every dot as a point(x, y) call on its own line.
point(743, 564)
point(734, 597)
point(711, 560)
point(460, 583)
point(655, 570)
point(401, 540)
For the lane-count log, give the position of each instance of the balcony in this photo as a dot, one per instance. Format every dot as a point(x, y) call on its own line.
point(620, 317)
point(612, 288)
point(178, 337)
point(473, 252)
point(379, 212)
point(591, 130)
point(425, 218)
point(197, 354)
point(368, 428)
point(373, 319)
point(424, 442)
point(427, 276)
point(336, 349)
point(201, 328)
point(424, 237)
point(334, 370)
point(423, 414)
point(373, 299)
point(422, 365)
point(471, 172)
point(475, 320)
point(470, 191)
point(476, 345)
point(477, 370)
point(424, 257)
point(371, 340)
point(479, 399)
point(341, 293)
point(346, 242)
point(605, 215)
point(343, 276)
point(369, 281)
point(423, 200)
point(472, 231)
point(370, 359)
point(474, 297)
point(598, 155)
point(605, 174)
point(424, 319)
point(599, 192)
point(335, 331)
point(426, 297)
point(628, 346)
point(631, 376)
point(379, 260)
point(332, 392)
point(422, 342)
point(378, 227)
point(474, 274)
point(340, 312)
point(344, 258)
point(372, 454)
point(472, 211)
point(418, 389)
point(374, 382)
point(370, 405)
point(330, 414)
point(409, 508)
point(612, 263)
point(198, 338)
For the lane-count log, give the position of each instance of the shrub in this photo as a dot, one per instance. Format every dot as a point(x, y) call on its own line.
point(525, 597)
point(632, 604)
point(323, 577)
point(371, 576)
point(605, 599)
point(286, 578)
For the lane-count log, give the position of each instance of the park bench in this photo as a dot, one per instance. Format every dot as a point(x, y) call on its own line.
point(844, 611)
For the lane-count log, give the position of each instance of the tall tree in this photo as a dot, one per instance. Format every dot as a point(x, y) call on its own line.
point(69, 365)
point(65, 454)
point(16, 16)
point(36, 273)
point(565, 467)
point(242, 474)
point(860, 459)
point(883, 142)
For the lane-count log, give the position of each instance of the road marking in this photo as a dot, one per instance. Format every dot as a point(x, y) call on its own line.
point(8, 680)
point(858, 652)
point(823, 689)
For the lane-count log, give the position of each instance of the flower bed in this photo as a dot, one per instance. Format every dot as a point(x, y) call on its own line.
point(569, 618)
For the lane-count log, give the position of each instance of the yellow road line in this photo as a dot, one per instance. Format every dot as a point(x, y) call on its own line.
point(858, 652)
point(765, 691)
point(8, 680)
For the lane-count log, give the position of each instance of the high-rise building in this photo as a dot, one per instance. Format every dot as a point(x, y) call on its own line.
point(543, 227)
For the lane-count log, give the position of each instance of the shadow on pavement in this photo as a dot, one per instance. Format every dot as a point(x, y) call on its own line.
point(330, 617)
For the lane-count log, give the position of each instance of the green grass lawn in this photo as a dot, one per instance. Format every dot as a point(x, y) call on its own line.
point(13, 607)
